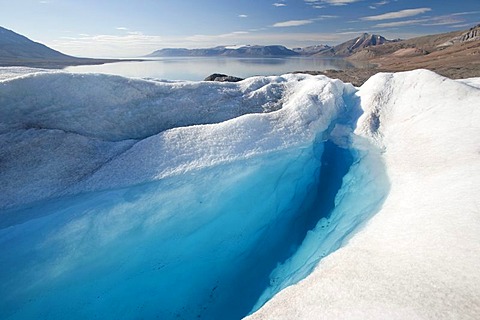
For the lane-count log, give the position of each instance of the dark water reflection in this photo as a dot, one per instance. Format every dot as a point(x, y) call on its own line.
point(197, 68)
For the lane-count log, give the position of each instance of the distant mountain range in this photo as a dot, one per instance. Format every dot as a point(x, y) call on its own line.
point(458, 50)
point(241, 51)
point(460, 44)
point(345, 49)
point(18, 50)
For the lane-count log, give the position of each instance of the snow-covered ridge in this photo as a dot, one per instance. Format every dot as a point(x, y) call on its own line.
point(115, 108)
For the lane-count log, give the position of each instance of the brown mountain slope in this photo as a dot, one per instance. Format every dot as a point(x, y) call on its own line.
point(454, 55)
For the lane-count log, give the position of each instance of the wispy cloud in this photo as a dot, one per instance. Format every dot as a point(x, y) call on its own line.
point(292, 23)
point(109, 45)
point(444, 20)
point(45, 1)
point(122, 28)
point(242, 16)
point(318, 3)
point(401, 23)
point(277, 4)
point(375, 5)
point(296, 23)
point(397, 14)
point(464, 25)
point(356, 32)
point(464, 13)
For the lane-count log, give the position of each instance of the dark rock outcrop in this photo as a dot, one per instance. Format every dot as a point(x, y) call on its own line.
point(222, 78)
point(473, 34)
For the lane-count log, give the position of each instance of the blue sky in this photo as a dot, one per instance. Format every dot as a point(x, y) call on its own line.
point(121, 28)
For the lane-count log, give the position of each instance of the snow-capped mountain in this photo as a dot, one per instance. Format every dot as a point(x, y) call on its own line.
point(357, 44)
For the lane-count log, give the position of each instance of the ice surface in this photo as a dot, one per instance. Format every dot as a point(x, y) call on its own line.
point(129, 198)
point(126, 198)
point(60, 116)
point(474, 82)
point(417, 258)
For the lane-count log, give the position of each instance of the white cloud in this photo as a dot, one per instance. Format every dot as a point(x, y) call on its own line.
point(465, 25)
point(375, 5)
point(443, 21)
point(340, 2)
point(276, 4)
point(464, 13)
point(242, 16)
point(125, 45)
point(121, 28)
point(326, 16)
point(332, 2)
point(453, 18)
point(319, 4)
point(292, 23)
point(401, 23)
point(397, 14)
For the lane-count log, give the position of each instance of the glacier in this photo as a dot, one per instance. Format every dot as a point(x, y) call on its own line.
point(127, 198)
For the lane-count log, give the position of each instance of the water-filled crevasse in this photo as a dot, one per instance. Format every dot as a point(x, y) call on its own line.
point(195, 246)
point(335, 162)
point(286, 235)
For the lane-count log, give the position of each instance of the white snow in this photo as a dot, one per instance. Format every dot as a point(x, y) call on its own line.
point(474, 82)
point(418, 257)
point(14, 72)
point(57, 129)
point(133, 198)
